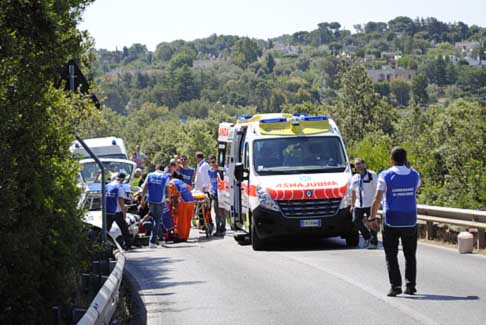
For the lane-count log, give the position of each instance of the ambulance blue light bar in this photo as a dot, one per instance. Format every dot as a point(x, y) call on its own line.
point(245, 117)
point(274, 120)
point(314, 118)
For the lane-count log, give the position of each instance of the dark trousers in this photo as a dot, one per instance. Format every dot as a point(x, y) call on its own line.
point(408, 236)
point(220, 220)
point(122, 224)
point(358, 215)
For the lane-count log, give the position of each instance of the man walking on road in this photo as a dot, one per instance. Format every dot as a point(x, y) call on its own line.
point(363, 187)
point(157, 187)
point(397, 188)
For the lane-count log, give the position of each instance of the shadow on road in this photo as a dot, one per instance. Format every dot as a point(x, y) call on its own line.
point(154, 272)
point(425, 296)
point(308, 245)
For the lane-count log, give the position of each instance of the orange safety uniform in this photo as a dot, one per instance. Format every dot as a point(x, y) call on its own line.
point(183, 208)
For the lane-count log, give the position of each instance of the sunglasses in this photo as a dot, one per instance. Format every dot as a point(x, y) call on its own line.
point(213, 161)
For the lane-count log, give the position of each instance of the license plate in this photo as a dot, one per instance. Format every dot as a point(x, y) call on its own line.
point(310, 223)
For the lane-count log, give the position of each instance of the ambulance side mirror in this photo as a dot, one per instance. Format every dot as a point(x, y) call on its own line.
point(239, 171)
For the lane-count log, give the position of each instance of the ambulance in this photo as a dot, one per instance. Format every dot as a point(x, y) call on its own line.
point(285, 175)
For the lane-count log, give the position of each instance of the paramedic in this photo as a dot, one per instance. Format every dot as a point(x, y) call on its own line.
point(397, 189)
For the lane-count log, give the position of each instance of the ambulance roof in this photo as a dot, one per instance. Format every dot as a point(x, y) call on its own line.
point(282, 124)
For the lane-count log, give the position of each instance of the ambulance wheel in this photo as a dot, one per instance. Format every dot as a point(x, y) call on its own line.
point(352, 239)
point(257, 243)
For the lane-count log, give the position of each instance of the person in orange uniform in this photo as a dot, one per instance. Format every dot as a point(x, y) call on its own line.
point(183, 207)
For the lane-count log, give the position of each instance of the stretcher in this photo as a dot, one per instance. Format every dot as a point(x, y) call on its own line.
point(202, 212)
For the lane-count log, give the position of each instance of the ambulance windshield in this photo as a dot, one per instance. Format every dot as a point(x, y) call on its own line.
point(298, 155)
point(91, 173)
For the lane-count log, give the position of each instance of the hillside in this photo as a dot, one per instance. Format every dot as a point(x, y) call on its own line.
point(417, 83)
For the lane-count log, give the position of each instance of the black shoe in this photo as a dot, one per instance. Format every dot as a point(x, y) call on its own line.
point(218, 234)
point(394, 291)
point(410, 291)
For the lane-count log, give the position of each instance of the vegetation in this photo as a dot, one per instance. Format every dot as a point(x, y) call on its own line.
point(41, 231)
point(174, 101)
point(171, 101)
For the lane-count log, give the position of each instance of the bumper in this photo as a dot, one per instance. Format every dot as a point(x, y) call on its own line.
point(272, 224)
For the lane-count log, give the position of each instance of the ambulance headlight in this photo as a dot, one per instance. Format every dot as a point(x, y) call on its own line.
point(346, 201)
point(265, 200)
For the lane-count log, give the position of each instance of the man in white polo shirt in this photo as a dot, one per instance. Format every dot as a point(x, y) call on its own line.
point(363, 187)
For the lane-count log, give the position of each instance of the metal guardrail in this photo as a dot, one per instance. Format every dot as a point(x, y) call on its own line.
point(104, 303)
point(475, 219)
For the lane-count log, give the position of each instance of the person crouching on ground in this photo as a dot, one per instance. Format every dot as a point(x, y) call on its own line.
point(183, 207)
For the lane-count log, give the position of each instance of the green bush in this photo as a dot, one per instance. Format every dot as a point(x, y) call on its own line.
point(40, 225)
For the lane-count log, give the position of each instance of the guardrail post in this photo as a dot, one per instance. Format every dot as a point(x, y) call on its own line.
point(430, 230)
point(78, 313)
point(56, 315)
point(481, 238)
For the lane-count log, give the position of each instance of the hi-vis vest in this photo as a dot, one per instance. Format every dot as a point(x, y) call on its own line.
point(112, 197)
point(400, 206)
point(184, 192)
point(156, 187)
point(187, 174)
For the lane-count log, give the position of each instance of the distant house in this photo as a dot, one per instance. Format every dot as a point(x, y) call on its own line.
point(475, 62)
point(466, 47)
point(288, 50)
point(387, 73)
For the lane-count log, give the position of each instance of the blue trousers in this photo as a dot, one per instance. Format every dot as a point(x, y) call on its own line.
point(156, 211)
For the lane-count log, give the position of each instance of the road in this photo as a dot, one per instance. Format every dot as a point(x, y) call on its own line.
point(323, 282)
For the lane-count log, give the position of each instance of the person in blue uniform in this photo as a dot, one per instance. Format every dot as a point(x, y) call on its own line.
point(213, 176)
point(183, 207)
point(186, 171)
point(396, 192)
point(115, 207)
point(156, 189)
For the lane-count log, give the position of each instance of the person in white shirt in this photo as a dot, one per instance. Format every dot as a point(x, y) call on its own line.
point(202, 182)
point(363, 187)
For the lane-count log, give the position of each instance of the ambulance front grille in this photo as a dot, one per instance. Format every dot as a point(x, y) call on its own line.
point(309, 208)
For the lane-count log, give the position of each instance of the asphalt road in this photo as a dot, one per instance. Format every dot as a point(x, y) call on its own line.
point(323, 282)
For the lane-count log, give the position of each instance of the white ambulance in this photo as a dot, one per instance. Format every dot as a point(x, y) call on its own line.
point(285, 175)
point(109, 147)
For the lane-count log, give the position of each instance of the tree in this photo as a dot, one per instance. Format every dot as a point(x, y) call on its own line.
point(359, 109)
point(184, 57)
point(419, 90)
point(401, 91)
point(163, 52)
point(402, 25)
point(270, 63)
point(245, 51)
point(41, 238)
point(451, 156)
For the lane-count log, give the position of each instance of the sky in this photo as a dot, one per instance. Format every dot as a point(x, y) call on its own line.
point(118, 23)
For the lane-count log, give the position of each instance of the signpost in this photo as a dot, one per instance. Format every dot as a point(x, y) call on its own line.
point(75, 80)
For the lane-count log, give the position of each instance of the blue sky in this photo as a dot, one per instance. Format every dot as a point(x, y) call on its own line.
point(118, 23)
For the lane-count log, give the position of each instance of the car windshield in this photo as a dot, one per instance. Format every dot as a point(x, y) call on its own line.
point(298, 155)
point(91, 173)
